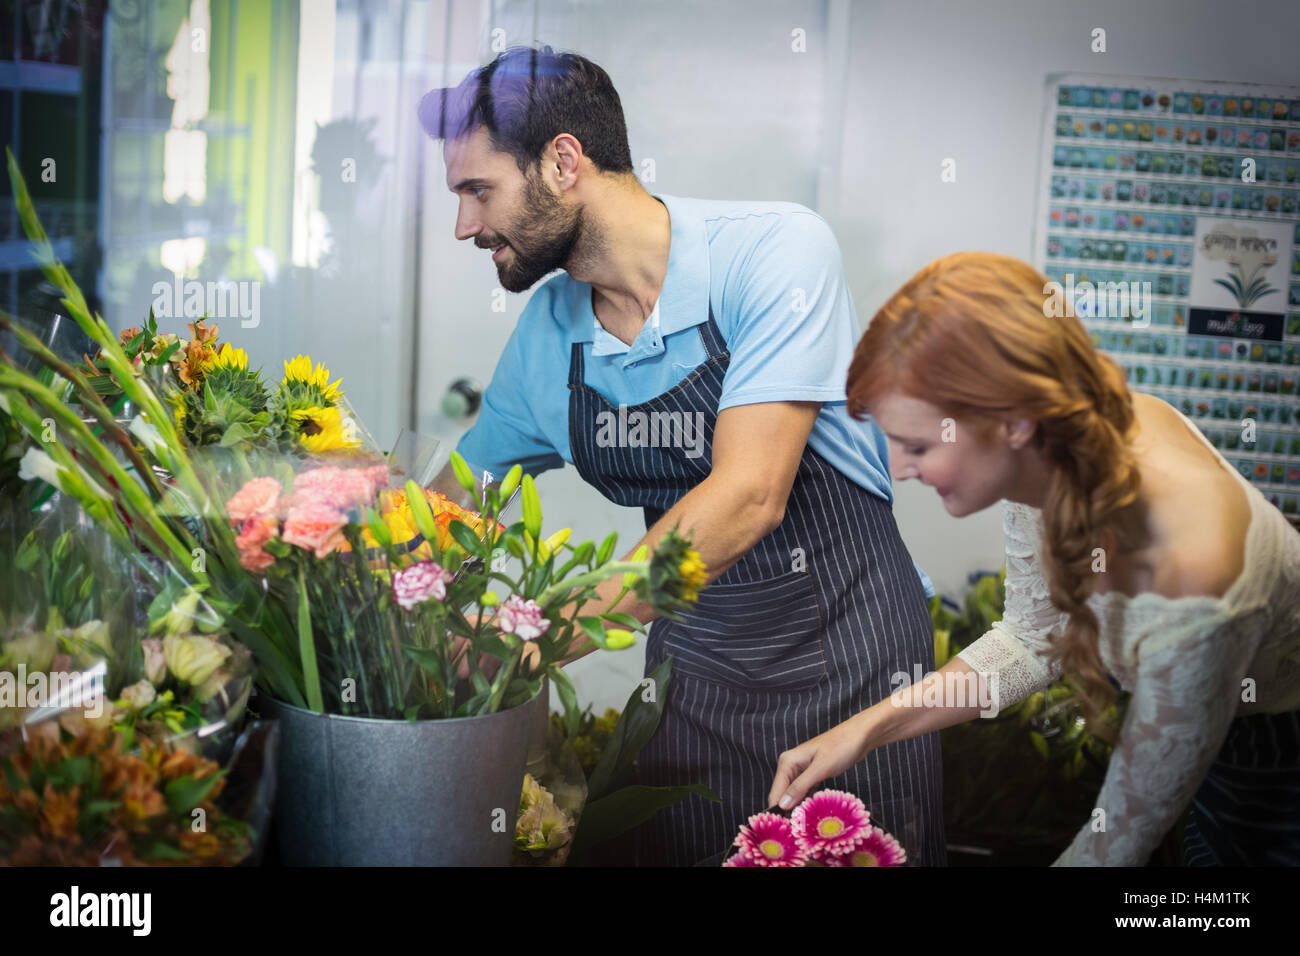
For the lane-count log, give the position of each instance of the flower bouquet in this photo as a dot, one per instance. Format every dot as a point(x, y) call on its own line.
point(85, 801)
point(392, 590)
point(830, 828)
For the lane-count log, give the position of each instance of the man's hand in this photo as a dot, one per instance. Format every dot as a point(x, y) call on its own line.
point(756, 454)
point(487, 664)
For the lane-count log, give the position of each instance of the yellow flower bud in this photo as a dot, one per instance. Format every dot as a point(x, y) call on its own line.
point(553, 543)
point(640, 554)
point(616, 639)
point(489, 599)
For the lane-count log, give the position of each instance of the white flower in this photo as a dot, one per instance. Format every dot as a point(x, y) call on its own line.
point(37, 464)
point(193, 658)
point(139, 695)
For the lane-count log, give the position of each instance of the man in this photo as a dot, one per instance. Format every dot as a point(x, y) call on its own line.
point(705, 347)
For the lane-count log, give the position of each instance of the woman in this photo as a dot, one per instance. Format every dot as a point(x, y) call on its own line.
point(1132, 548)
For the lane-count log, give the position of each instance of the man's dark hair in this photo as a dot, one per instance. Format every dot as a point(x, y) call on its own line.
point(525, 98)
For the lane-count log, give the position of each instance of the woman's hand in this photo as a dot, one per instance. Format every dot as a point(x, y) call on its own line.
point(827, 755)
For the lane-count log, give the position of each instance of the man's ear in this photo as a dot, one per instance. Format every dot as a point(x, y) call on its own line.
point(564, 155)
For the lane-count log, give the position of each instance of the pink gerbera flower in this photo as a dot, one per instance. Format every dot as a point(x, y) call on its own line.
point(878, 848)
point(740, 859)
point(830, 823)
point(768, 840)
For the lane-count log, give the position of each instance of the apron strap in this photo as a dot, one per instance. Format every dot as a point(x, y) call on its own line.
point(712, 338)
point(576, 366)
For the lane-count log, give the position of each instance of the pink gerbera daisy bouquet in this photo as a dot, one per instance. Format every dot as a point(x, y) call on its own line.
point(830, 828)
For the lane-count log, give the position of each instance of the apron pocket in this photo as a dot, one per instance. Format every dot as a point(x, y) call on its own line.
point(764, 635)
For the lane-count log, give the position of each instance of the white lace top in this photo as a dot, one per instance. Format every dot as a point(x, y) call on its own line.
point(1188, 663)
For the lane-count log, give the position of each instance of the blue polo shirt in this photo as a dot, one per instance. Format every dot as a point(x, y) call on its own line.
point(775, 277)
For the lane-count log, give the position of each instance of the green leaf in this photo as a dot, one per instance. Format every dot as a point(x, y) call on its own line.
point(1040, 744)
point(162, 851)
point(185, 793)
point(636, 725)
point(307, 647)
point(591, 626)
point(568, 697)
point(428, 660)
point(465, 536)
point(620, 811)
point(626, 620)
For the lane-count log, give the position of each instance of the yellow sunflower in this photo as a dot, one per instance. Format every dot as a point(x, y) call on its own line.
point(300, 370)
point(323, 429)
point(230, 357)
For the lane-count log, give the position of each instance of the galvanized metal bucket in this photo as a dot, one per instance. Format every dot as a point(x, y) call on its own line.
point(358, 791)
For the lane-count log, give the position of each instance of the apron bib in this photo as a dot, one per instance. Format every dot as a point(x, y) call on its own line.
point(803, 632)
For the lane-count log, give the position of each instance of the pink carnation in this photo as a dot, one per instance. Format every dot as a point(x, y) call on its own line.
point(257, 497)
point(255, 533)
point(522, 618)
point(421, 582)
point(315, 526)
point(341, 488)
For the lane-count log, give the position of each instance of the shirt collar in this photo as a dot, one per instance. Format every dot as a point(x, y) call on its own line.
point(683, 300)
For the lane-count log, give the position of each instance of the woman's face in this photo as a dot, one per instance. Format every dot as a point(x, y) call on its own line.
point(969, 470)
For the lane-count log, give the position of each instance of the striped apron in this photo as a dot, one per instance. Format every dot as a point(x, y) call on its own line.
point(802, 633)
point(1246, 811)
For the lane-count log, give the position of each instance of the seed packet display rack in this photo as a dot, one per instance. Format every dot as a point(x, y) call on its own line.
point(1169, 214)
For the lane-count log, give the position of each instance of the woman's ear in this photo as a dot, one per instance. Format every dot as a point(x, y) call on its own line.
point(1020, 431)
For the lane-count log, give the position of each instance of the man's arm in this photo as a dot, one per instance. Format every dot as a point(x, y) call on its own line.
point(756, 453)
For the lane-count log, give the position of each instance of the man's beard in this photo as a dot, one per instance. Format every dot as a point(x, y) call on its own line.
point(542, 239)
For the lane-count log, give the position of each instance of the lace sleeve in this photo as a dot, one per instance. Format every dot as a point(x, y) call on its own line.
point(1013, 647)
point(1185, 697)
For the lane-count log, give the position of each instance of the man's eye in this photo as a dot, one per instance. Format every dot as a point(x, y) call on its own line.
point(479, 191)
point(915, 450)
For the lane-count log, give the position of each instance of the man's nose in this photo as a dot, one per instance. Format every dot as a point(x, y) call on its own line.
point(467, 225)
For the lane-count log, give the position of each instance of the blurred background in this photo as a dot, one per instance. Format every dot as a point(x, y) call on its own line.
point(273, 145)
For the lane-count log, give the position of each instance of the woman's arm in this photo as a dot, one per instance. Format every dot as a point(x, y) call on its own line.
point(951, 695)
point(1010, 655)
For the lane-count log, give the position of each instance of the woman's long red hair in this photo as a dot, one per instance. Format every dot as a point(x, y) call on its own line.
point(971, 334)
